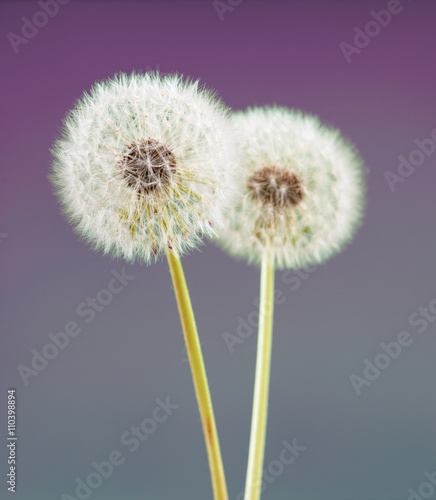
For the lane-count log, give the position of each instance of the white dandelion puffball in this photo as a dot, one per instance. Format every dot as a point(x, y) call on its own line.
point(146, 164)
point(304, 189)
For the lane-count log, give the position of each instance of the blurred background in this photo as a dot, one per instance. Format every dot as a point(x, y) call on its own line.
point(371, 439)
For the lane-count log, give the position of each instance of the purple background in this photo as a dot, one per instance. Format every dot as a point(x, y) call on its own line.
point(373, 446)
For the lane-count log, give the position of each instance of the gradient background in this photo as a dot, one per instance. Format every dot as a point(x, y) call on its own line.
point(373, 446)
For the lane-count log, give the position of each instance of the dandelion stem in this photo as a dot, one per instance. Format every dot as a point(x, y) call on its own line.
point(199, 377)
point(261, 385)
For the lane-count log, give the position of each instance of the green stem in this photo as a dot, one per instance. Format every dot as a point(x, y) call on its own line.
point(199, 377)
point(261, 385)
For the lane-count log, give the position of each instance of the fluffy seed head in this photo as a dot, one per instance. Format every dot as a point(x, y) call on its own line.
point(303, 189)
point(146, 164)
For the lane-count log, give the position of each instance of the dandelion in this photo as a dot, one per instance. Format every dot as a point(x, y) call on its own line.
point(145, 164)
point(302, 201)
point(303, 196)
point(146, 167)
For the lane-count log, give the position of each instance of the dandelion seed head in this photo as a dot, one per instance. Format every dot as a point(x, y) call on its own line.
point(145, 164)
point(303, 191)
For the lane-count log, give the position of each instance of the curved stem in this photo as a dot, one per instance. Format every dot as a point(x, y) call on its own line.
point(261, 385)
point(199, 377)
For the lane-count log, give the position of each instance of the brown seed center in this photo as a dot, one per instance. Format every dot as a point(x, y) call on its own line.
point(276, 187)
point(148, 165)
